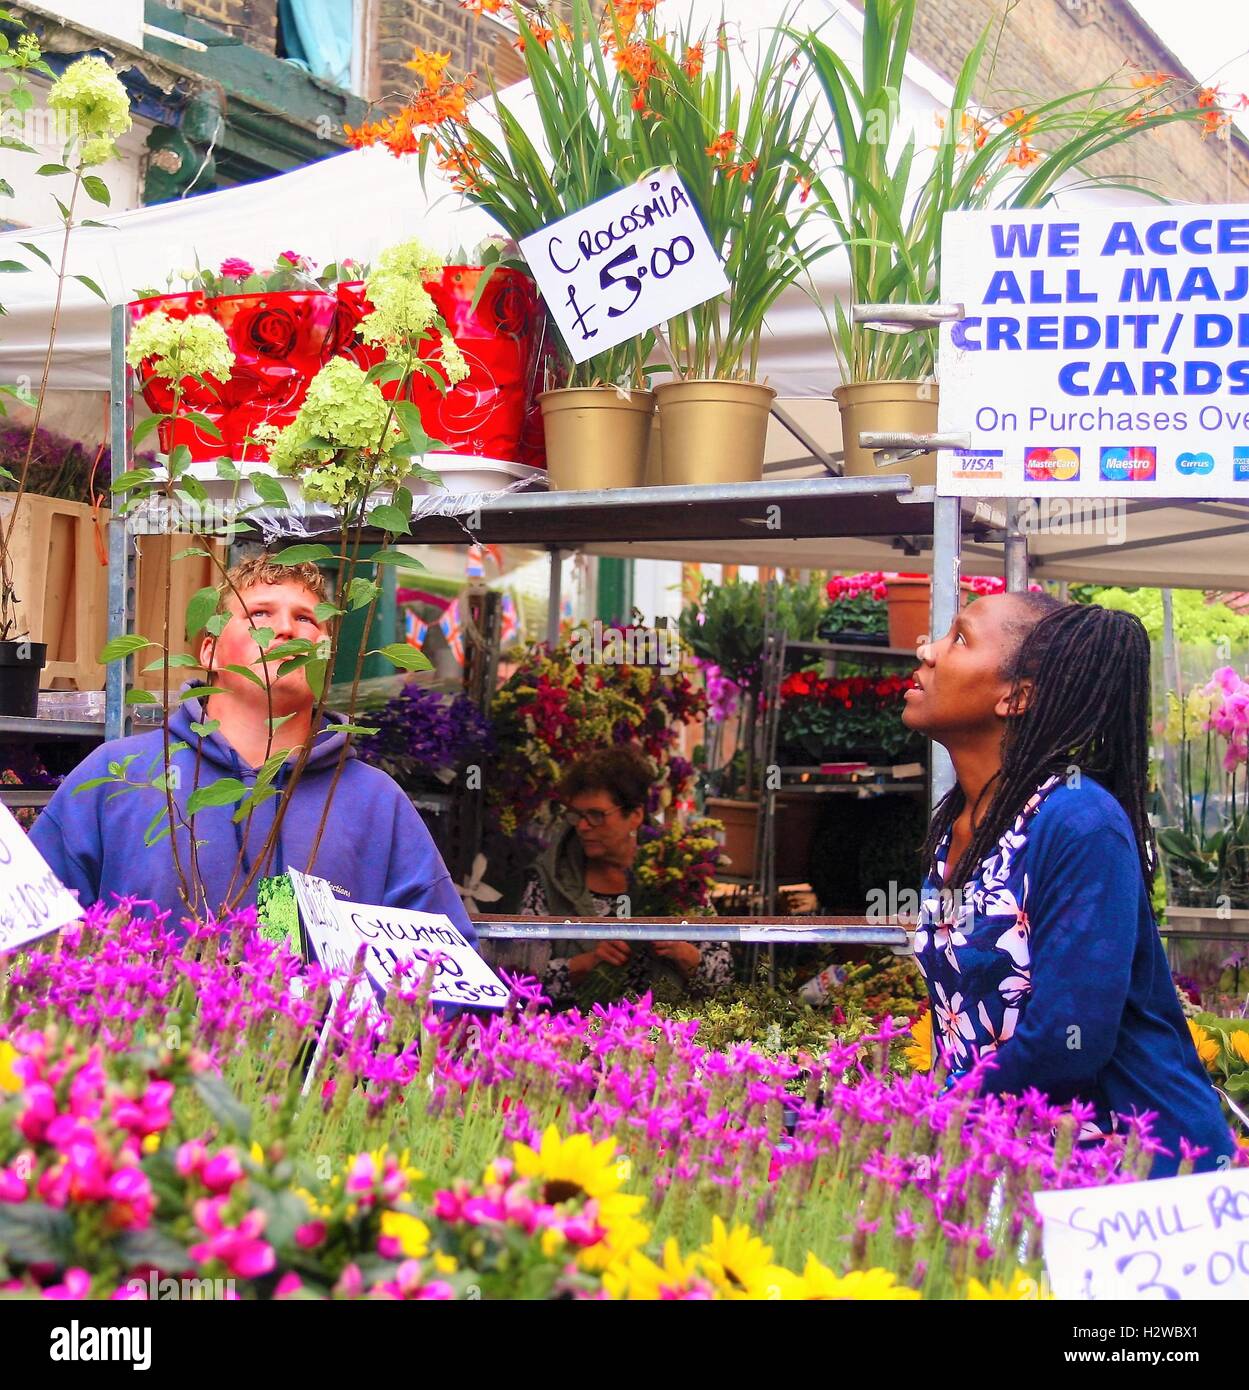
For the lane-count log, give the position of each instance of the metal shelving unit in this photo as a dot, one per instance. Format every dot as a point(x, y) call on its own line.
point(886, 506)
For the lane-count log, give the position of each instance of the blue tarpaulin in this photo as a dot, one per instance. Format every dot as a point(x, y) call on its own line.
point(318, 36)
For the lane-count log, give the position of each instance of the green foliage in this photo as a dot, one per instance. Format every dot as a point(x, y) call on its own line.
point(726, 624)
point(1195, 620)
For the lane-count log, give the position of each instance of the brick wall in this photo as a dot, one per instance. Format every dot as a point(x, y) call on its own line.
point(253, 21)
point(1055, 46)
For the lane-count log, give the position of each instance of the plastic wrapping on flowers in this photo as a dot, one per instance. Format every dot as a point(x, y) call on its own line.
point(163, 1119)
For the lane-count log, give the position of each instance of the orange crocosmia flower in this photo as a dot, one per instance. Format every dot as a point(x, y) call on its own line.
point(804, 187)
point(723, 145)
point(462, 165)
point(1208, 96)
point(692, 62)
point(1151, 79)
point(1212, 122)
point(543, 36)
point(743, 171)
point(1020, 119)
point(1023, 155)
point(637, 60)
point(428, 67)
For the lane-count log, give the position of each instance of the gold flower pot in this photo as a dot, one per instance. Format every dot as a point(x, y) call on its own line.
point(596, 437)
point(713, 431)
point(908, 407)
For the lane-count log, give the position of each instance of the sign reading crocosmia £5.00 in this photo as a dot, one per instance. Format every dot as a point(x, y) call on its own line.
point(1174, 1238)
point(33, 901)
point(620, 266)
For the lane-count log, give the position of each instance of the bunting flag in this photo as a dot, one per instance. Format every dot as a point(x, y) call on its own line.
point(450, 628)
point(414, 629)
point(509, 627)
point(475, 566)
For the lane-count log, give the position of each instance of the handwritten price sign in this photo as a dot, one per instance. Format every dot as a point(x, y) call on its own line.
point(390, 935)
point(33, 901)
point(1175, 1238)
point(618, 267)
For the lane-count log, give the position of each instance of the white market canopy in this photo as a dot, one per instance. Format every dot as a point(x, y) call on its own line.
point(356, 203)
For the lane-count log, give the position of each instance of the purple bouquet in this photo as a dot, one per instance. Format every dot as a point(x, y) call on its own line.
point(421, 733)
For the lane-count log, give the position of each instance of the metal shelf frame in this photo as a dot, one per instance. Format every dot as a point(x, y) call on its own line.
point(887, 505)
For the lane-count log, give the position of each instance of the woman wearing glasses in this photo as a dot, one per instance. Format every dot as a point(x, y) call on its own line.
point(587, 872)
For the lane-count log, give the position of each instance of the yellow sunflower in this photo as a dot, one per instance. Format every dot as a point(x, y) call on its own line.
point(733, 1258)
point(1238, 1043)
point(570, 1168)
point(639, 1279)
point(1207, 1047)
point(919, 1052)
point(861, 1285)
point(1021, 1286)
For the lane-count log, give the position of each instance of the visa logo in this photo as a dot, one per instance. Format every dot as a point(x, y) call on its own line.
point(979, 461)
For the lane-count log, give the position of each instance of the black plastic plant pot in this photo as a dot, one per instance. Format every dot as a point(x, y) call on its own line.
point(21, 664)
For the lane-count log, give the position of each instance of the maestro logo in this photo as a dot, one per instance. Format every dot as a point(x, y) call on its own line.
point(1194, 465)
point(1043, 464)
point(1240, 464)
point(1137, 463)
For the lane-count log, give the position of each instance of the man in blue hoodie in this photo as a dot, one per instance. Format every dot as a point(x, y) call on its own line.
point(374, 847)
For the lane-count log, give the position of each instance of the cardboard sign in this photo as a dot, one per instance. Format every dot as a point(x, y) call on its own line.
point(337, 931)
point(33, 901)
point(1174, 1238)
point(613, 270)
point(1102, 353)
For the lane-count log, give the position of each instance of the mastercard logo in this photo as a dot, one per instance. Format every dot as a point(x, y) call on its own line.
point(1042, 464)
point(1135, 464)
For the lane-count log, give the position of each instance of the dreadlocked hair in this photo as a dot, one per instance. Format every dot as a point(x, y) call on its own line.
point(1087, 707)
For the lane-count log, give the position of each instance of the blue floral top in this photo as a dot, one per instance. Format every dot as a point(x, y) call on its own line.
point(1050, 961)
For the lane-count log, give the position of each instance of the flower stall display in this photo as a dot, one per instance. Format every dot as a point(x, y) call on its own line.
point(856, 611)
point(553, 709)
point(596, 414)
point(162, 1118)
point(1205, 844)
point(847, 719)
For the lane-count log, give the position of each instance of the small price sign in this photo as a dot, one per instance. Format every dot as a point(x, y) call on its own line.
point(1175, 1238)
point(33, 901)
point(620, 266)
point(390, 935)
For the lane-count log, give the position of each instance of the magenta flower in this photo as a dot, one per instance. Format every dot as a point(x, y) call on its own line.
point(239, 1248)
point(76, 1286)
point(221, 1171)
point(310, 1234)
point(235, 268)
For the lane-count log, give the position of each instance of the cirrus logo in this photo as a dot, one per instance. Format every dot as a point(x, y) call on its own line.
point(1194, 465)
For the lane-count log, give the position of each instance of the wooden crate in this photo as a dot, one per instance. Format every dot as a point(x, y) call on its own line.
point(190, 573)
point(62, 585)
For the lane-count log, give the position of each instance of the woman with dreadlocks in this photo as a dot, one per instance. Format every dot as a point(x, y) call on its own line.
point(1037, 939)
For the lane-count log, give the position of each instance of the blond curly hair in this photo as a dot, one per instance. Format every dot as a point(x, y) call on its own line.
point(264, 569)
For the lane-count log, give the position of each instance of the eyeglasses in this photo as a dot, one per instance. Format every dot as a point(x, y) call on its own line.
point(594, 819)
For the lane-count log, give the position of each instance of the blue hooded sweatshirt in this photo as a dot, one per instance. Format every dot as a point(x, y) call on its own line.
point(375, 847)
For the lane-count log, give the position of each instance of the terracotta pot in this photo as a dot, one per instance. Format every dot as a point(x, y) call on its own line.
point(596, 437)
point(713, 431)
point(796, 820)
point(908, 407)
point(909, 600)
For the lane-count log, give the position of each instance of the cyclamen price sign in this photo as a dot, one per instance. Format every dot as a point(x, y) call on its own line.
point(33, 901)
point(390, 935)
point(1175, 1238)
point(613, 270)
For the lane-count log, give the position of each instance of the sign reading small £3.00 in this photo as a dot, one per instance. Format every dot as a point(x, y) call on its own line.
point(1174, 1238)
point(618, 267)
point(1103, 352)
point(33, 901)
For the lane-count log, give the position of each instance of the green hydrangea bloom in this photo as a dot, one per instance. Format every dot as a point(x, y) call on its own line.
point(91, 92)
point(194, 346)
point(98, 150)
point(345, 415)
point(403, 311)
point(410, 260)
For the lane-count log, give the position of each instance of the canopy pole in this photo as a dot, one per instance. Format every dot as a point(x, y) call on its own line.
point(553, 597)
point(1016, 550)
point(121, 600)
point(946, 557)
